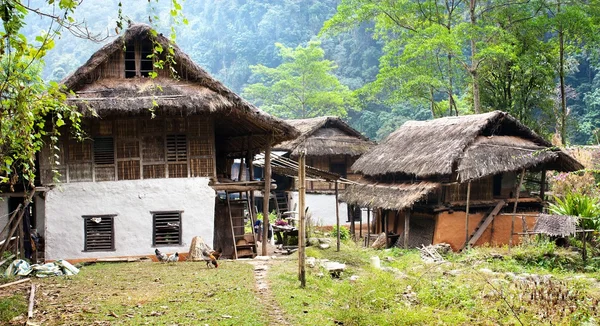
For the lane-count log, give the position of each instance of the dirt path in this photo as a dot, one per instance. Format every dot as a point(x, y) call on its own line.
point(263, 290)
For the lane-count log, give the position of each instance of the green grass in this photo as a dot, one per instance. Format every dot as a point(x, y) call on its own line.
point(11, 307)
point(153, 293)
point(457, 292)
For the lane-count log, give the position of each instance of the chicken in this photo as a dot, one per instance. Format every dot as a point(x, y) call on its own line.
point(212, 257)
point(160, 256)
point(173, 258)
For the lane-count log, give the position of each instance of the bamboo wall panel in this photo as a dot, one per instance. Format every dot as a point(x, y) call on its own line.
point(202, 167)
point(128, 149)
point(154, 171)
point(80, 172)
point(153, 149)
point(481, 189)
point(104, 173)
point(178, 170)
point(128, 170)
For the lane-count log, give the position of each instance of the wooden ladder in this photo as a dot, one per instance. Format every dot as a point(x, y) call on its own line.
point(281, 200)
point(483, 224)
point(238, 222)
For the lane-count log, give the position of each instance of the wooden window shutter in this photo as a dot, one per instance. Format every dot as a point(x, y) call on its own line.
point(99, 233)
point(166, 228)
point(176, 148)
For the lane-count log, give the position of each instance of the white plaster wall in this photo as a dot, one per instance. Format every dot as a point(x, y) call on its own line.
point(3, 213)
point(132, 201)
point(40, 214)
point(322, 207)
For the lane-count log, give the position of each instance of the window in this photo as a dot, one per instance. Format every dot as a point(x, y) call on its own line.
point(166, 228)
point(99, 233)
point(137, 62)
point(177, 156)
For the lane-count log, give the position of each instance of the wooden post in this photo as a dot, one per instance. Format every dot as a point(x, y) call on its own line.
point(266, 197)
point(352, 225)
point(467, 215)
point(337, 215)
point(543, 187)
point(385, 226)
point(360, 225)
point(302, 229)
point(249, 159)
point(18, 222)
point(368, 226)
point(406, 227)
point(584, 251)
point(512, 224)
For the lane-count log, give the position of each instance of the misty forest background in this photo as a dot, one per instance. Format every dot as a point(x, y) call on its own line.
point(402, 61)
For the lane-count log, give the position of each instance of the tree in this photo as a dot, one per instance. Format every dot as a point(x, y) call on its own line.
point(31, 111)
point(302, 86)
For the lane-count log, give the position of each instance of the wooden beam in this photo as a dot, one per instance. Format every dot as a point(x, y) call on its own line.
point(406, 227)
point(467, 215)
point(368, 227)
point(512, 224)
point(15, 283)
point(267, 198)
point(543, 186)
point(301, 212)
point(337, 214)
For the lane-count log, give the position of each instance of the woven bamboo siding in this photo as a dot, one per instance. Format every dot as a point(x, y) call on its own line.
point(481, 189)
point(129, 149)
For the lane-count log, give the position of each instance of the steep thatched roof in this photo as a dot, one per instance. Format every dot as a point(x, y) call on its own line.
point(323, 136)
point(437, 147)
point(494, 154)
point(387, 196)
point(197, 92)
point(555, 225)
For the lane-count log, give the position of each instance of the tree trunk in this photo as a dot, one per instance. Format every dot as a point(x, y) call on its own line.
point(563, 98)
point(474, 62)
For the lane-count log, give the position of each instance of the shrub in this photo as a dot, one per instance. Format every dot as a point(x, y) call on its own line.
point(578, 204)
point(344, 232)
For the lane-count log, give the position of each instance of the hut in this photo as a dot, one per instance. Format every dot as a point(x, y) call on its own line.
point(330, 145)
point(457, 180)
point(153, 168)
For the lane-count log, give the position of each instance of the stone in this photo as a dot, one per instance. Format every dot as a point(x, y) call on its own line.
point(353, 278)
point(324, 246)
point(311, 262)
point(312, 241)
point(324, 240)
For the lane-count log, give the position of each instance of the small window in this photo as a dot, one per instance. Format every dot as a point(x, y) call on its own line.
point(130, 60)
point(99, 233)
point(176, 148)
point(166, 228)
point(104, 150)
point(146, 64)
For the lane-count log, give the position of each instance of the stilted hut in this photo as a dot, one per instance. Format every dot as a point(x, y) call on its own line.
point(457, 180)
point(330, 145)
point(153, 169)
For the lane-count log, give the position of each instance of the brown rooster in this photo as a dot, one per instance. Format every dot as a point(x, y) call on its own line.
point(213, 256)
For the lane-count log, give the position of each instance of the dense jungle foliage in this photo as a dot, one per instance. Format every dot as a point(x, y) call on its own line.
point(403, 59)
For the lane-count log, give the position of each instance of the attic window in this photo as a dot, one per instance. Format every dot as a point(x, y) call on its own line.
point(137, 62)
point(166, 228)
point(99, 233)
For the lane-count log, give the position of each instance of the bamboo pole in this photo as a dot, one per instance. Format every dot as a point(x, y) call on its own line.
point(512, 224)
point(301, 231)
point(266, 198)
point(337, 214)
point(18, 222)
point(31, 302)
point(368, 227)
point(15, 283)
point(467, 215)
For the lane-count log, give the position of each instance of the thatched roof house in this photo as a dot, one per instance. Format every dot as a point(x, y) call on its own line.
point(324, 136)
point(442, 167)
point(99, 89)
point(471, 146)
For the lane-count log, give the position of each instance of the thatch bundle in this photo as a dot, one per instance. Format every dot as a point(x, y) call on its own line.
point(435, 147)
point(324, 136)
point(197, 92)
point(495, 154)
point(388, 196)
point(555, 225)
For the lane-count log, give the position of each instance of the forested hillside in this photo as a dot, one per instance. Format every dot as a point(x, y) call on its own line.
point(406, 60)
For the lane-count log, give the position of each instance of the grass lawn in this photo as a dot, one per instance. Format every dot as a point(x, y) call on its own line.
point(534, 285)
point(152, 294)
point(469, 289)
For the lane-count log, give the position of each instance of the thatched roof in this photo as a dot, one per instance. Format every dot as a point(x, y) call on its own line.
point(197, 92)
point(324, 136)
point(494, 154)
point(387, 196)
point(436, 147)
point(555, 225)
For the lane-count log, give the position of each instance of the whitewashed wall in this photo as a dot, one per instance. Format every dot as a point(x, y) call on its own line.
point(132, 201)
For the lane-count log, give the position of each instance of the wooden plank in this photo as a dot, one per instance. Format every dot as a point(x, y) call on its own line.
point(479, 232)
point(31, 302)
point(406, 227)
point(266, 197)
point(15, 283)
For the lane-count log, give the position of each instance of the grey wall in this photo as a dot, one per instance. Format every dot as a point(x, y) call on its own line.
point(132, 201)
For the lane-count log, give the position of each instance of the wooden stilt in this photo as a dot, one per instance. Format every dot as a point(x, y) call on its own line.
point(543, 187)
point(512, 224)
point(406, 227)
point(267, 197)
point(302, 229)
point(368, 227)
point(337, 214)
point(467, 215)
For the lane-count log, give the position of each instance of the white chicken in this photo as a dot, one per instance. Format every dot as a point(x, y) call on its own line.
point(173, 258)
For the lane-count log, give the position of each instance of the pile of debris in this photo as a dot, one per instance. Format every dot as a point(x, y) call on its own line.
point(433, 253)
point(21, 267)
